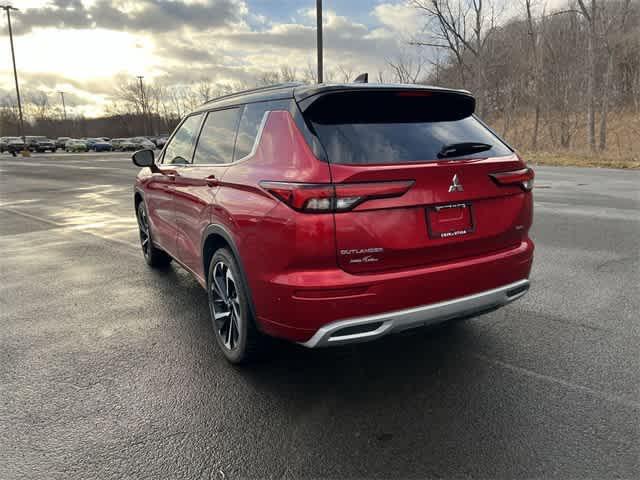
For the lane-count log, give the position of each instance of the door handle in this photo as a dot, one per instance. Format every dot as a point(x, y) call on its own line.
point(212, 181)
point(171, 174)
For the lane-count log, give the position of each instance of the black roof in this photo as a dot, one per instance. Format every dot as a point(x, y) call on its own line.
point(261, 94)
point(301, 91)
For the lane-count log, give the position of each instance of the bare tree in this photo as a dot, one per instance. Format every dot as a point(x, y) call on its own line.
point(205, 90)
point(38, 105)
point(345, 73)
point(269, 78)
point(407, 68)
point(590, 13)
point(532, 31)
point(128, 92)
point(614, 28)
point(462, 27)
point(288, 73)
point(310, 74)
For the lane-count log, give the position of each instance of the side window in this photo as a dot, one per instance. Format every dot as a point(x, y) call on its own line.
point(180, 147)
point(250, 123)
point(218, 135)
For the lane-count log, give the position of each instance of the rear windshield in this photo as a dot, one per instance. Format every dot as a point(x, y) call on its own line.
point(398, 127)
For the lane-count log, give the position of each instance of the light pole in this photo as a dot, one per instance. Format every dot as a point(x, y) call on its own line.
point(8, 9)
point(144, 110)
point(319, 31)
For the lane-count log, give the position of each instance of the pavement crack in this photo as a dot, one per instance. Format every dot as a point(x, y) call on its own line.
point(610, 397)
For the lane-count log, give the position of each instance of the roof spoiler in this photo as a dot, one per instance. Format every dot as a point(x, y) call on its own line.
point(306, 96)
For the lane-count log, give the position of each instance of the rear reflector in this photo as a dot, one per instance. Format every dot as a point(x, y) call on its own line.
point(318, 198)
point(522, 178)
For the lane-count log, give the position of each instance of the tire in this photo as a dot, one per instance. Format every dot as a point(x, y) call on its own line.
point(231, 316)
point(155, 257)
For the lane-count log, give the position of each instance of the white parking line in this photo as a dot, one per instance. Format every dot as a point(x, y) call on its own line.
point(18, 202)
point(122, 168)
point(75, 228)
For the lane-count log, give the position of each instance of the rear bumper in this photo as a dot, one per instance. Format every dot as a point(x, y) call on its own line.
point(296, 305)
point(375, 326)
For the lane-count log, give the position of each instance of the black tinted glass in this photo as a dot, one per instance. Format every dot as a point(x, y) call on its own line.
point(217, 137)
point(181, 146)
point(250, 124)
point(382, 128)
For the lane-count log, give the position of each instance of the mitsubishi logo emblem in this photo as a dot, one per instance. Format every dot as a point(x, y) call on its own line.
point(456, 186)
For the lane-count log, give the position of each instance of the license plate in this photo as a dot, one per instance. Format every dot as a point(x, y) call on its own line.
point(453, 220)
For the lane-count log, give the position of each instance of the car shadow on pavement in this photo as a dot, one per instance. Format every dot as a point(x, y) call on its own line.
point(397, 361)
point(421, 352)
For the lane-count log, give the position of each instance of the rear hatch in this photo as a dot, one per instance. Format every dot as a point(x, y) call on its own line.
point(432, 162)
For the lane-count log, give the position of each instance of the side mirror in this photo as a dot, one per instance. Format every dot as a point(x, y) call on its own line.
point(144, 158)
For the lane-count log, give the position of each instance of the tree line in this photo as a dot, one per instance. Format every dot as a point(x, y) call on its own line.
point(566, 69)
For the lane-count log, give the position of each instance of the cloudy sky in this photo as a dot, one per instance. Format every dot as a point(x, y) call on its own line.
point(85, 46)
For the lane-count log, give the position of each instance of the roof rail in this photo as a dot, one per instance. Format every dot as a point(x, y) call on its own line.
point(274, 86)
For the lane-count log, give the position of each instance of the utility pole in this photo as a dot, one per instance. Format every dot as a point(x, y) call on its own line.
point(8, 9)
point(144, 110)
point(64, 112)
point(64, 107)
point(319, 30)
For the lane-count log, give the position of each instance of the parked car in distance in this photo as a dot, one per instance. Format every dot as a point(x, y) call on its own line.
point(158, 141)
point(31, 141)
point(142, 142)
point(91, 142)
point(161, 141)
point(62, 141)
point(13, 145)
point(40, 144)
point(123, 145)
point(101, 145)
point(75, 145)
point(45, 145)
point(4, 143)
point(331, 214)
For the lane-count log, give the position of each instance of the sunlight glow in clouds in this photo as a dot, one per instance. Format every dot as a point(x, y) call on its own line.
point(83, 54)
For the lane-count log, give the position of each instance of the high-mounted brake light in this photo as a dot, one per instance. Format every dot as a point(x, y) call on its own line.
point(322, 197)
point(523, 178)
point(419, 93)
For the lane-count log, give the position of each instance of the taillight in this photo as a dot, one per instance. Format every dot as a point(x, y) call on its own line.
point(522, 178)
point(322, 197)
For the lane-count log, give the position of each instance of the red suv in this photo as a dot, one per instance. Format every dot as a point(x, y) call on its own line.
point(331, 214)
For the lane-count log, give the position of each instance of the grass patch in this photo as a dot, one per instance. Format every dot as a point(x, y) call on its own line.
point(570, 159)
point(623, 140)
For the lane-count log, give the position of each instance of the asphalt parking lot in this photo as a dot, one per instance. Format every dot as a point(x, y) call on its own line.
point(109, 369)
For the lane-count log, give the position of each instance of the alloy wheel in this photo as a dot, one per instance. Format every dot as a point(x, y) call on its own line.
point(143, 225)
point(225, 305)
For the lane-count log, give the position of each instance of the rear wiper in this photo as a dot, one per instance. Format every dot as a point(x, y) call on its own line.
point(463, 148)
